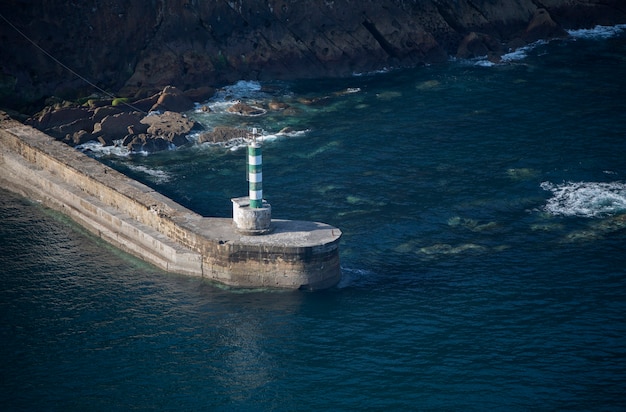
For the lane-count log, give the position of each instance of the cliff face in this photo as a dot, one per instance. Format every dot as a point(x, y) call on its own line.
point(137, 48)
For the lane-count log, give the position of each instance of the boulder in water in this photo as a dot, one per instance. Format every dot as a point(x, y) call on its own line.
point(222, 134)
point(245, 109)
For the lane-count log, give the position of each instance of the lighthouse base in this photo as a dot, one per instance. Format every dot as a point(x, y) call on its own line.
point(249, 220)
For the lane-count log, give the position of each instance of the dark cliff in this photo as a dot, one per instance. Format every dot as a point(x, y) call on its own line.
point(136, 48)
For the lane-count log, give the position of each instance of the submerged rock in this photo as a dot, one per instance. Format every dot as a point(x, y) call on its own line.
point(446, 249)
point(245, 109)
point(222, 134)
point(277, 106)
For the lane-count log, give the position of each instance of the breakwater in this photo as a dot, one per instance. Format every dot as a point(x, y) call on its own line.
point(141, 221)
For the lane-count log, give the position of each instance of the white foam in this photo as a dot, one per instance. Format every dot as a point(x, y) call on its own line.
point(522, 52)
point(350, 276)
point(260, 111)
point(513, 56)
point(484, 62)
point(371, 73)
point(585, 199)
point(243, 89)
point(242, 142)
point(598, 32)
point(293, 133)
point(98, 149)
point(160, 176)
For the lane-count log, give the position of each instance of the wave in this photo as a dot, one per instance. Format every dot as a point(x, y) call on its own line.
point(353, 277)
point(159, 176)
point(98, 149)
point(242, 142)
point(598, 32)
point(372, 72)
point(521, 53)
point(585, 199)
point(243, 89)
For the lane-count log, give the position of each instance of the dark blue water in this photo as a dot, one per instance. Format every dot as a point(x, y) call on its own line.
point(484, 254)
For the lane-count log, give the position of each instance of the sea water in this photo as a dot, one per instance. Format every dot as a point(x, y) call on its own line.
point(483, 208)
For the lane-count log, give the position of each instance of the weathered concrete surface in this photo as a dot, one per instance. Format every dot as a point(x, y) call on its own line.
point(251, 221)
point(147, 224)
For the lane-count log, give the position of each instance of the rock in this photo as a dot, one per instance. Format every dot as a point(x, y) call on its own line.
point(109, 124)
point(172, 99)
point(146, 103)
point(51, 117)
point(139, 128)
point(222, 134)
point(245, 109)
point(156, 144)
point(115, 127)
point(106, 140)
point(80, 137)
point(85, 124)
point(200, 94)
point(101, 112)
point(97, 102)
point(145, 143)
point(135, 143)
point(277, 106)
point(542, 27)
point(173, 127)
point(478, 45)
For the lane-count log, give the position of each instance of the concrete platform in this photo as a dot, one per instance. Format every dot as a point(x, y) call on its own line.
point(135, 218)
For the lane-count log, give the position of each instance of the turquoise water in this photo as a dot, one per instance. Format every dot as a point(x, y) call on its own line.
point(484, 217)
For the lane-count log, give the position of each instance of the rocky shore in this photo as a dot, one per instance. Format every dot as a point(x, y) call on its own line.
point(160, 57)
point(144, 125)
point(135, 49)
point(150, 124)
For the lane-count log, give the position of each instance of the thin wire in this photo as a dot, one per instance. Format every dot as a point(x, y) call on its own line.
point(66, 67)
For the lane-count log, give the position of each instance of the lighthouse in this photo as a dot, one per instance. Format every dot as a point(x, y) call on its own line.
point(252, 215)
point(255, 174)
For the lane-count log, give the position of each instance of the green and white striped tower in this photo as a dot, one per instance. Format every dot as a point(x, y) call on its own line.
point(255, 175)
point(251, 214)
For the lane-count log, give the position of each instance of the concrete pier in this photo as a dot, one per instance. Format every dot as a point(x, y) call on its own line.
point(135, 218)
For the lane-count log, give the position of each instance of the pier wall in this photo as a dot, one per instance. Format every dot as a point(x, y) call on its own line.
point(145, 223)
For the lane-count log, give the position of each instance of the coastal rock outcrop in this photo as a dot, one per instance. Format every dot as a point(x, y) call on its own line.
point(171, 126)
point(542, 27)
point(172, 99)
point(125, 125)
point(135, 49)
